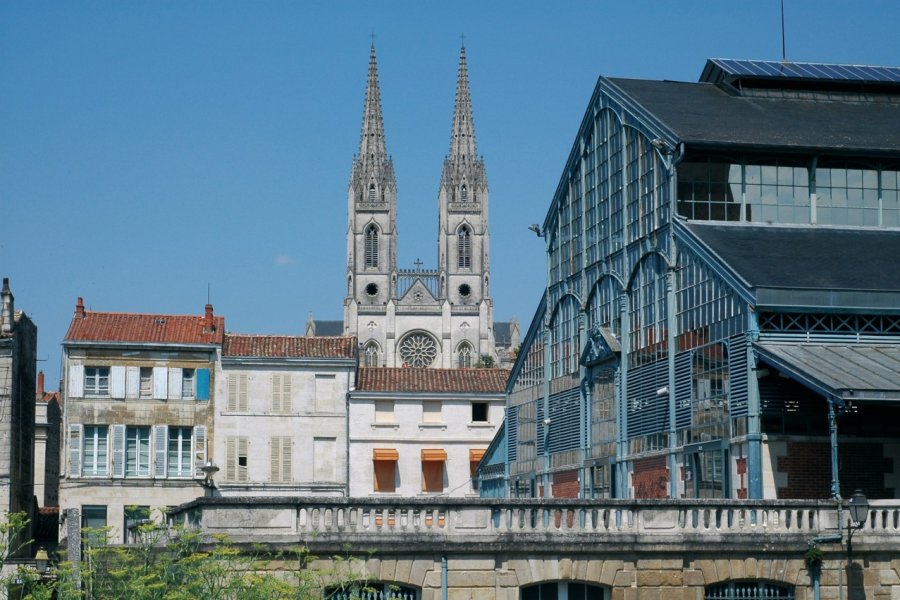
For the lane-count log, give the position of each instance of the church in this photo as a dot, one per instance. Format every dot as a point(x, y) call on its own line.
point(420, 317)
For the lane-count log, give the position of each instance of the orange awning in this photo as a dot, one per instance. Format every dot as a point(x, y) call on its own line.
point(434, 455)
point(385, 454)
point(476, 455)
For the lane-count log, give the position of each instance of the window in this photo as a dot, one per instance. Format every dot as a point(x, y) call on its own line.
point(464, 248)
point(370, 357)
point(433, 470)
point(479, 412)
point(180, 452)
point(282, 401)
point(188, 378)
point(280, 459)
point(137, 452)
point(371, 192)
point(237, 393)
point(573, 590)
point(464, 193)
point(371, 247)
point(475, 456)
point(418, 350)
point(96, 381)
point(93, 518)
point(749, 590)
point(431, 412)
point(385, 464)
point(464, 356)
point(96, 450)
point(134, 517)
point(236, 459)
point(384, 411)
point(146, 385)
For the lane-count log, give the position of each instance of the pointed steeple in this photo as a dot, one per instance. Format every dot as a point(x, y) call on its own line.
point(372, 147)
point(462, 136)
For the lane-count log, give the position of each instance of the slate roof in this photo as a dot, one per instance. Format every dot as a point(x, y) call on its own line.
point(503, 333)
point(705, 114)
point(288, 346)
point(326, 328)
point(405, 379)
point(807, 257)
point(143, 328)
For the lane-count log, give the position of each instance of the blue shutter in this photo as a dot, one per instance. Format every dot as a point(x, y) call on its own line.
point(738, 388)
point(512, 432)
point(202, 384)
point(565, 420)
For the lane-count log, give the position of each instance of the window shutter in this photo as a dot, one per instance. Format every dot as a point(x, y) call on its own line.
point(275, 459)
point(75, 435)
point(175, 376)
point(202, 384)
point(243, 472)
point(287, 404)
point(160, 383)
point(243, 403)
point(231, 459)
point(76, 381)
point(286, 464)
point(160, 443)
point(117, 382)
point(132, 382)
point(199, 449)
point(118, 450)
point(232, 393)
point(276, 393)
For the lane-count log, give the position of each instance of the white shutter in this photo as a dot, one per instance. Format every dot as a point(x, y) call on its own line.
point(132, 382)
point(243, 402)
point(118, 450)
point(160, 383)
point(175, 376)
point(232, 393)
point(199, 449)
point(287, 404)
point(276, 393)
point(286, 462)
point(275, 459)
point(243, 472)
point(161, 448)
point(231, 459)
point(117, 382)
point(75, 435)
point(76, 381)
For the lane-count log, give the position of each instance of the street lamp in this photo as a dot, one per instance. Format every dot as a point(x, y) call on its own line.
point(858, 506)
point(41, 560)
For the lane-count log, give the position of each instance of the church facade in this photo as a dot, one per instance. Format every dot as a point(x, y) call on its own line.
point(419, 317)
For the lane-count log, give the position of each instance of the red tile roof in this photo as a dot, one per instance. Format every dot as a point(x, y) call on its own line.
point(47, 397)
point(404, 379)
point(289, 346)
point(90, 326)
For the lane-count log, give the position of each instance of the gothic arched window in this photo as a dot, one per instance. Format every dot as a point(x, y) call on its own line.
point(370, 356)
point(464, 356)
point(464, 248)
point(371, 251)
point(371, 192)
point(464, 193)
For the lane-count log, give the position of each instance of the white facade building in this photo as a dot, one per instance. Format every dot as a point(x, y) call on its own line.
point(417, 431)
point(281, 414)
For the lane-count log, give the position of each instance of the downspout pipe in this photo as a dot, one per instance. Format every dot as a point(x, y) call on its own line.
point(444, 590)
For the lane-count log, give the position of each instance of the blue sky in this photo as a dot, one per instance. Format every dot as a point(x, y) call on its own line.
point(149, 149)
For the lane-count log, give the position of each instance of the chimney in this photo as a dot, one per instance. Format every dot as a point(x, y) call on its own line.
point(209, 323)
point(8, 310)
point(79, 308)
point(40, 386)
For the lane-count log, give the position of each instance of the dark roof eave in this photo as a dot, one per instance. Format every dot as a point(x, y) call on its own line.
point(732, 146)
point(127, 344)
point(287, 360)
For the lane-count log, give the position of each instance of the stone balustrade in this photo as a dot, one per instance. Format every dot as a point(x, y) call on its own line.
point(552, 525)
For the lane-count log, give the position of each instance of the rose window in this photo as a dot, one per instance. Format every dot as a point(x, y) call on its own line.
point(418, 350)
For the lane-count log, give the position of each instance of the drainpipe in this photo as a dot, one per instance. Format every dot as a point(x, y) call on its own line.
point(443, 578)
point(622, 393)
point(671, 343)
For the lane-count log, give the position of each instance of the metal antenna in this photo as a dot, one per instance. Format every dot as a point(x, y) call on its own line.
point(372, 35)
point(462, 40)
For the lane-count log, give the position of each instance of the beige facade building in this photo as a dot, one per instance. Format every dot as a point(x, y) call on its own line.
point(138, 394)
point(281, 414)
point(47, 423)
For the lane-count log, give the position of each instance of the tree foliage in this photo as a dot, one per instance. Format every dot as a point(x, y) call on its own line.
point(178, 564)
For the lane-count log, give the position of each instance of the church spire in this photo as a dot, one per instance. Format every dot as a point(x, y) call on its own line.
point(462, 136)
point(372, 147)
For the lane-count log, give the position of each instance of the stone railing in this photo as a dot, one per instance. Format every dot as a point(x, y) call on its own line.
point(548, 526)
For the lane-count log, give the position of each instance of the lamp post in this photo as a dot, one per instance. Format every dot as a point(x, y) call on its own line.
point(858, 507)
